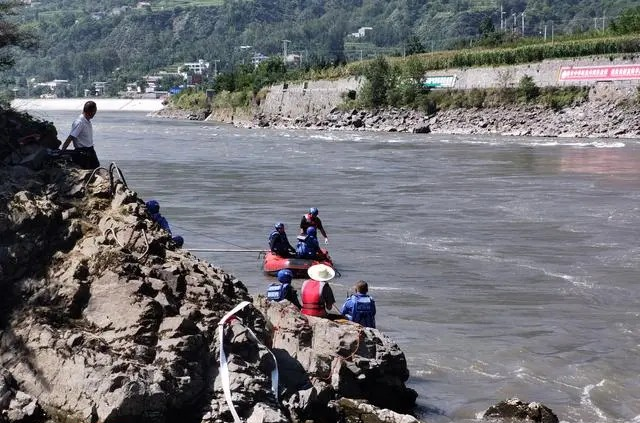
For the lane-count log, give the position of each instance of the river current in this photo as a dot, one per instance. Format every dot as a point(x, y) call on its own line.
point(502, 266)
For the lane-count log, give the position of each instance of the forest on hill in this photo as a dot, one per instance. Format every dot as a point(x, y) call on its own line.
point(120, 41)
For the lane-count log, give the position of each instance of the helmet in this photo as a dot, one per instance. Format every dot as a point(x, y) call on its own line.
point(311, 231)
point(178, 240)
point(313, 211)
point(153, 206)
point(279, 226)
point(285, 276)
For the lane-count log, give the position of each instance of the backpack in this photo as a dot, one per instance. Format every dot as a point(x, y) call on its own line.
point(277, 291)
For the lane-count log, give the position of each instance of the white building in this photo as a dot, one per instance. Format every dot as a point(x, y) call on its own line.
point(362, 32)
point(200, 67)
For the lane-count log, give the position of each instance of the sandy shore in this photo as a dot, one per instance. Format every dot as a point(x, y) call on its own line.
point(104, 104)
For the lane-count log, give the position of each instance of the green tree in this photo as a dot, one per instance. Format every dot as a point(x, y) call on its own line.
point(628, 22)
point(374, 90)
point(11, 35)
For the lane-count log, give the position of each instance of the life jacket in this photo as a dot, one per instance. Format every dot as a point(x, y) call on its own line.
point(363, 311)
point(277, 291)
point(311, 220)
point(307, 248)
point(312, 301)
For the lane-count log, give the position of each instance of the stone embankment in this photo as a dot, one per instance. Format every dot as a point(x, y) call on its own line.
point(608, 113)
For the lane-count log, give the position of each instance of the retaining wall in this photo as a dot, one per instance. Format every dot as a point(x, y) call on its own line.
point(319, 97)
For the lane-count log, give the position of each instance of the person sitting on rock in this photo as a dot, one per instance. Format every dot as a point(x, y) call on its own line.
point(316, 294)
point(283, 290)
point(81, 135)
point(360, 307)
point(278, 242)
point(153, 207)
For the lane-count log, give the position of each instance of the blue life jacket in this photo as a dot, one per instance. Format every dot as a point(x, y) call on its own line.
point(277, 291)
point(308, 248)
point(363, 310)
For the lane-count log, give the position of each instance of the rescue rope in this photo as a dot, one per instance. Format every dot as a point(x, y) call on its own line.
point(224, 369)
point(124, 246)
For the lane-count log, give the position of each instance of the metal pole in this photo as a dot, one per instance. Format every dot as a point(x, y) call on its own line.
point(523, 24)
point(222, 250)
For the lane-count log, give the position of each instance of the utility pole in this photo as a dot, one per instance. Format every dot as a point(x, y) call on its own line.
point(502, 12)
point(603, 19)
point(284, 50)
point(514, 22)
point(545, 33)
point(552, 31)
point(523, 23)
point(215, 68)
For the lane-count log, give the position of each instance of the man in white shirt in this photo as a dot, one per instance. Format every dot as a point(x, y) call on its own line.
point(82, 136)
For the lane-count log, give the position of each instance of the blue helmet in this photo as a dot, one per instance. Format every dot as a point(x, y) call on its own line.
point(285, 276)
point(313, 211)
point(279, 226)
point(153, 206)
point(311, 231)
point(178, 240)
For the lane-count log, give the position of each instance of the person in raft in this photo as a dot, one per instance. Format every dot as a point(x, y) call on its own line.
point(360, 307)
point(312, 219)
point(283, 290)
point(153, 207)
point(278, 242)
point(316, 294)
point(308, 246)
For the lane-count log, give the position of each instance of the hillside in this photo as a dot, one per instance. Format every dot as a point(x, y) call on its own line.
point(117, 41)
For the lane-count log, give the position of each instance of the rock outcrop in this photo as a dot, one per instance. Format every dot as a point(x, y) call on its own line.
point(514, 409)
point(104, 319)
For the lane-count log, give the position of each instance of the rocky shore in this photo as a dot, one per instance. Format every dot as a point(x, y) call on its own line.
point(602, 116)
point(608, 113)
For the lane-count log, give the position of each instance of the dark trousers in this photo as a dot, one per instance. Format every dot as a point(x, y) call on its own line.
point(85, 157)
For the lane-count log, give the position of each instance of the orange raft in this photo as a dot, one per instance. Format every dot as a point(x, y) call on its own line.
point(274, 263)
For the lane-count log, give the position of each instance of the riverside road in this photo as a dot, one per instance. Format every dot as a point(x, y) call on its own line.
point(502, 266)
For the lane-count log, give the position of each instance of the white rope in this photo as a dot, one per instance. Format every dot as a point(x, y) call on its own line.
point(224, 369)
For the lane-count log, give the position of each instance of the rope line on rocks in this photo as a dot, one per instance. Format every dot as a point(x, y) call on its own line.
point(224, 369)
point(112, 230)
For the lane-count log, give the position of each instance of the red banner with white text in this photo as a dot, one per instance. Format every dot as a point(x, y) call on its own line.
point(599, 73)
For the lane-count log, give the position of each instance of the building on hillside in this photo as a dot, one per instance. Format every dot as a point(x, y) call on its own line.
point(258, 58)
point(99, 87)
point(362, 32)
point(200, 67)
point(293, 59)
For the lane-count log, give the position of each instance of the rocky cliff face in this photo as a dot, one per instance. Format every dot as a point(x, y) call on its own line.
point(105, 320)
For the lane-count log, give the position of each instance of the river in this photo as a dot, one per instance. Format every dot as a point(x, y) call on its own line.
point(501, 266)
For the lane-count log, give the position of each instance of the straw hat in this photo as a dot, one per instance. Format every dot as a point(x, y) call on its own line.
point(321, 272)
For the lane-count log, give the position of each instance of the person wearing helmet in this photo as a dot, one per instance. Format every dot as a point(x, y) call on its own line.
point(278, 242)
point(153, 207)
point(308, 246)
point(312, 219)
point(283, 290)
